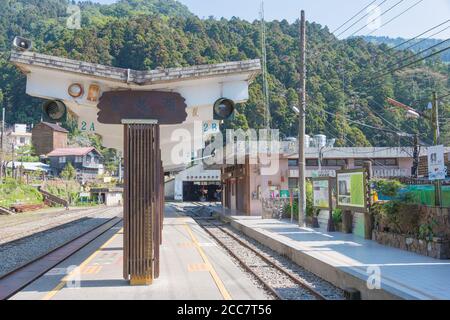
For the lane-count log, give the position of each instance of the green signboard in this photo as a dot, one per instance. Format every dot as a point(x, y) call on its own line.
point(285, 194)
point(351, 190)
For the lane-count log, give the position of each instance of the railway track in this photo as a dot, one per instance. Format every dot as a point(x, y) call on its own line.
point(35, 239)
point(281, 283)
point(22, 276)
point(24, 227)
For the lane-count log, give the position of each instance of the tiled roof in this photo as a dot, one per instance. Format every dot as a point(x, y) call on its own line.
point(55, 127)
point(253, 67)
point(63, 152)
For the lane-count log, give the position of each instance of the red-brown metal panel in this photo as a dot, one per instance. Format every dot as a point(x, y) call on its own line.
point(143, 201)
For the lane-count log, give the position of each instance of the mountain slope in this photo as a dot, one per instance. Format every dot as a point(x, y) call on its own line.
point(342, 75)
point(416, 45)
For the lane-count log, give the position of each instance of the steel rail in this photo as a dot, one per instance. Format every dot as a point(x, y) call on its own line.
point(295, 279)
point(290, 275)
point(55, 263)
point(79, 216)
point(242, 263)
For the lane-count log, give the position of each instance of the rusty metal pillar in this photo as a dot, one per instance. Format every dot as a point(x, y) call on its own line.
point(142, 201)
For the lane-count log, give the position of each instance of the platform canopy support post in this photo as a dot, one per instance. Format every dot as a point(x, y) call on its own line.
point(142, 201)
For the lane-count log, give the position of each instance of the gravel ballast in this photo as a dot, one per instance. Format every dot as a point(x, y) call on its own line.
point(19, 252)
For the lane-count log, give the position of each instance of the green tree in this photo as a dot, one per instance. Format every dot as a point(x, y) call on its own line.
point(68, 172)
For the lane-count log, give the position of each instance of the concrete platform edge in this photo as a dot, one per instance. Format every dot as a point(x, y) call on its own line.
point(336, 276)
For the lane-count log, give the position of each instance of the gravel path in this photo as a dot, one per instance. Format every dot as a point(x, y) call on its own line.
point(19, 252)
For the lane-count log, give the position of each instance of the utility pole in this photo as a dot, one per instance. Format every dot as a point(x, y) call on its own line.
point(415, 168)
point(2, 128)
point(436, 140)
point(302, 130)
point(13, 168)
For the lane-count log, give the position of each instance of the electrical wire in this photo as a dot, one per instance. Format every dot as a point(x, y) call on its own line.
point(369, 12)
point(410, 64)
point(373, 20)
point(418, 36)
point(418, 53)
point(396, 17)
point(353, 17)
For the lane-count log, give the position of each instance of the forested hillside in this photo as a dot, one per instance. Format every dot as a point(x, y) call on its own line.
point(416, 45)
point(343, 76)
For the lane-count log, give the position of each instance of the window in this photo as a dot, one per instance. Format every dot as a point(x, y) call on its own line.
point(312, 163)
point(293, 162)
point(390, 162)
point(62, 159)
point(78, 159)
point(334, 162)
point(293, 183)
point(22, 140)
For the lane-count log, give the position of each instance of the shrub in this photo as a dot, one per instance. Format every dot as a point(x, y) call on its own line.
point(68, 190)
point(310, 211)
point(389, 188)
point(337, 216)
point(69, 172)
point(13, 191)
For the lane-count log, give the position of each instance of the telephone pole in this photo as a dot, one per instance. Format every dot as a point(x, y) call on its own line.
point(2, 128)
point(416, 160)
point(436, 140)
point(302, 131)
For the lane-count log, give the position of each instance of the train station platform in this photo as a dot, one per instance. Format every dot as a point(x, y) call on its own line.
point(192, 268)
point(348, 261)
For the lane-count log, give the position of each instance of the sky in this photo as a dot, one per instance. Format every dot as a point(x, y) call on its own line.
point(333, 13)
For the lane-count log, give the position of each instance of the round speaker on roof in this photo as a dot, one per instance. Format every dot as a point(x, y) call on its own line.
point(54, 111)
point(223, 109)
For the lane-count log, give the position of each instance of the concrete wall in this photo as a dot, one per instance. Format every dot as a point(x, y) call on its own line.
point(169, 189)
point(114, 199)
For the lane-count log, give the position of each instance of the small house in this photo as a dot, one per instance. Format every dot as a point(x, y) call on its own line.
point(47, 137)
point(88, 162)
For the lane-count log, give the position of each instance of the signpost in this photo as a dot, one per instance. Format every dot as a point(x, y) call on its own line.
point(142, 113)
point(323, 197)
point(436, 163)
point(351, 190)
point(351, 195)
point(321, 193)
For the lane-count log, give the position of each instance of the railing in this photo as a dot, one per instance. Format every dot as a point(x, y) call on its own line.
point(4, 211)
point(54, 200)
point(391, 173)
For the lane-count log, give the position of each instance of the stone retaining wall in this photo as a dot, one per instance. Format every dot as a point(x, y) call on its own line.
point(437, 249)
point(441, 219)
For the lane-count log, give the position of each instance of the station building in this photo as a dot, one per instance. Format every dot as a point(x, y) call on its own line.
point(194, 184)
point(245, 187)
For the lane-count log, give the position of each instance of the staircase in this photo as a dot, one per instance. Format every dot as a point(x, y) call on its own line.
point(4, 211)
point(53, 200)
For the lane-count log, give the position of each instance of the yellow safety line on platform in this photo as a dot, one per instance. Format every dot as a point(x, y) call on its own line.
point(63, 282)
point(225, 294)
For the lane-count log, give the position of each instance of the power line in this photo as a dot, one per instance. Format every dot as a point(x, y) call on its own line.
point(418, 36)
point(418, 53)
point(354, 145)
point(342, 25)
point(427, 38)
point(360, 123)
point(373, 20)
point(369, 12)
point(397, 16)
point(412, 63)
point(391, 124)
